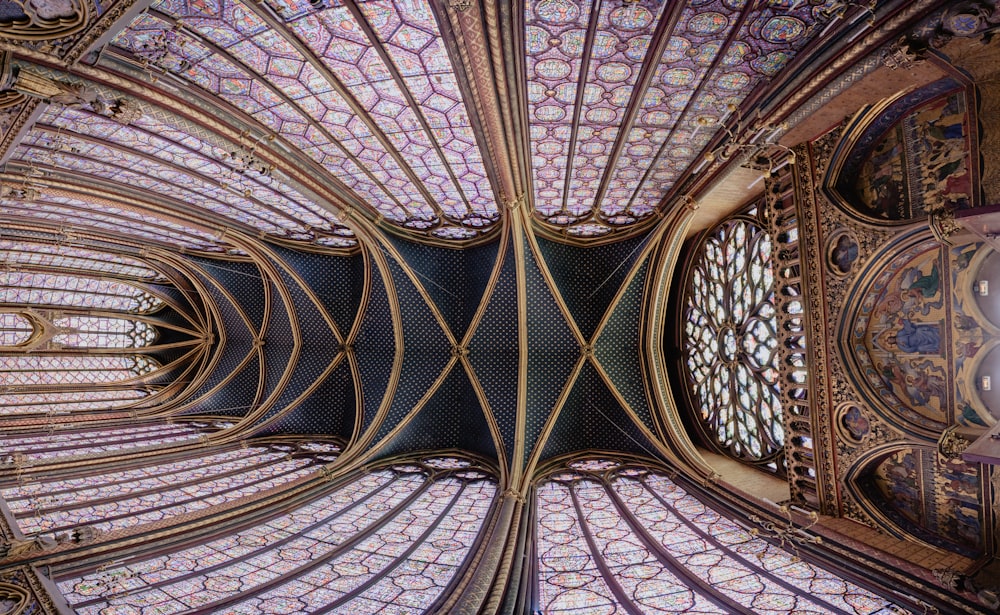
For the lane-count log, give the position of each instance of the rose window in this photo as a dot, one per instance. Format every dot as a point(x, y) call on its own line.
point(730, 342)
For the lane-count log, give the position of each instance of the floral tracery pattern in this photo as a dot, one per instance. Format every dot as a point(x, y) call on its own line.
point(730, 338)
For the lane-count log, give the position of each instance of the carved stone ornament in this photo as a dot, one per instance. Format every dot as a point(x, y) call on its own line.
point(13, 599)
point(943, 224)
point(951, 445)
point(959, 20)
point(44, 19)
point(40, 544)
point(78, 95)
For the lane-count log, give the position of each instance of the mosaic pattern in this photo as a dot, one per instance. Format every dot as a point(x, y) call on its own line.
point(103, 332)
point(14, 329)
point(36, 254)
point(630, 540)
point(730, 341)
point(126, 498)
point(73, 295)
point(398, 135)
point(155, 152)
point(95, 441)
point(604, 153)
point(61, 403)
point(99, 216)
point(42, 370)
point(72, 291)
point(388, 541)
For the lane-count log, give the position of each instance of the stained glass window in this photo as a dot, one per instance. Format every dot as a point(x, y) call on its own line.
point(396, 132)
point(620, 93)
point(618, 538)
point(56, 403)
point(730, 341)
point(39, 255)
point(387, 541)
point(95, 214)
point(158, 490)
point(75, 300)
point(156, 153)
point(103, 332)
point(57, 289)
point(61, 444)
point(15, 329)
point(43, 370)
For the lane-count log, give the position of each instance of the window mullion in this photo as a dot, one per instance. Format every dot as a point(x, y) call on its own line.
point(670, 563)
point(735, 555)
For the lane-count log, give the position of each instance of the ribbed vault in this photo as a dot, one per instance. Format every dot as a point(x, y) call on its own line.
point(418, 256)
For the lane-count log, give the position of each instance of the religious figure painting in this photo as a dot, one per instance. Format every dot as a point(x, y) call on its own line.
point(922, 162)
point(905, 337)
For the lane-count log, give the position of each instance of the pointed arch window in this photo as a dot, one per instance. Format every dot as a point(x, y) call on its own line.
point(15, 329)
point(390, 540)
point(730, 340)
point(615, 537)
point(27, 370)
point(81, 328)
point(39, 254)
point(103, 332)
point(21, 451)
point(160, 488)
point(58, 289)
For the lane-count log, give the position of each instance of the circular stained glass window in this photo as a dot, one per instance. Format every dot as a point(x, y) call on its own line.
point(730, 341)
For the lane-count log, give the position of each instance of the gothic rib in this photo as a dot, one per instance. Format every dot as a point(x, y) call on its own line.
point(349, 98)
point(288, 101)
point(670, 194)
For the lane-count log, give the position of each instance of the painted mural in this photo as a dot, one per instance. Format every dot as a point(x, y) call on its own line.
point(932, 498)
point(916, 338)
point(921, 162)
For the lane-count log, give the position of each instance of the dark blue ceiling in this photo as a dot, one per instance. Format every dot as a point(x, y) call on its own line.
point(494, 350)
point(552, 351)
point(457, 284)
point(589, 277)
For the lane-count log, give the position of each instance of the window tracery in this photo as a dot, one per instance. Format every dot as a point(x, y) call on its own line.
point(68, 290)
point(56, 403)
point(40, 255)
point(390, 540)
point(15, 329)
point(617, 537)
point(730, 341)
point(19, 450)
point(159, 489)
point(409, 151)
point(58, 304)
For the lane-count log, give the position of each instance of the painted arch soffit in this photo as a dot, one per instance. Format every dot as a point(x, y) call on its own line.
point(365, 91)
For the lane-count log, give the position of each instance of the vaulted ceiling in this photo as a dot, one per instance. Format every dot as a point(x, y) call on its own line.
point(441, 223)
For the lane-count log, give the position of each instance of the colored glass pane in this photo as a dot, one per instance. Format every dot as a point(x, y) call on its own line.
point(46, 370)
point(103, 332)
point(59, 403)
point(52, 289)
point(191, 168)
point(730, 341)
point(95, 214)
point(388, 538)
point(153, 492)
point(402, 142)
point(634, 541)
point(60, 444)
point(14, 329)
point(36, 254)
